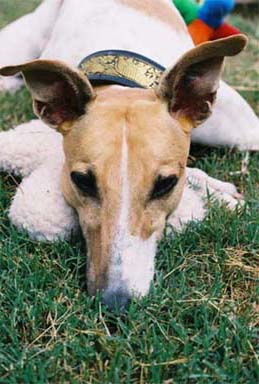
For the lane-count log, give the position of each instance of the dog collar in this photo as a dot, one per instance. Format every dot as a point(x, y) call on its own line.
point(121, 67)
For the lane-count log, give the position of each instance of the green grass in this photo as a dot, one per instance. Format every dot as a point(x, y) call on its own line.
point(12, 9)
point(198, 325)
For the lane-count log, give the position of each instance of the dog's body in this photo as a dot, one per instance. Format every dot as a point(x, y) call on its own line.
point(69, 30)
point(126, 152)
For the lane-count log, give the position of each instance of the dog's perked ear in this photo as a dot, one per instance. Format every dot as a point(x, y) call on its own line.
point(59, 93)
point(190, 86)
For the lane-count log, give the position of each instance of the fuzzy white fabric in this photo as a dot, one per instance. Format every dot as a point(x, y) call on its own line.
point(34, 151)
point(69, 30)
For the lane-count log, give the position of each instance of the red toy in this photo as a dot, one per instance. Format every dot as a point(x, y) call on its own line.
point(206, 21)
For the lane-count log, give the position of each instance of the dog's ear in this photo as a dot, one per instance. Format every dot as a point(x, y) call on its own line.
point(190, 86)
point(59, 93)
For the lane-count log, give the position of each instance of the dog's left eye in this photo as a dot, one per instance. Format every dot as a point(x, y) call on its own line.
point(86, 182)
point(162, 186)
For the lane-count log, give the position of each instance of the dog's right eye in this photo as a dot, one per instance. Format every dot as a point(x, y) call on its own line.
point(86, 183)
point(163, 186)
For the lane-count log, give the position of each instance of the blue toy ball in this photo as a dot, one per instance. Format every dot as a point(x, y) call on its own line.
point(212, 12)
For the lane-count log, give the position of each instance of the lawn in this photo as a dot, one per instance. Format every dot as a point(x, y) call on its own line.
point(199, 324)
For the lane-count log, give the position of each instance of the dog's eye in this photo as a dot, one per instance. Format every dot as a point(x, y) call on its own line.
point(86, 182)
point(162, 186)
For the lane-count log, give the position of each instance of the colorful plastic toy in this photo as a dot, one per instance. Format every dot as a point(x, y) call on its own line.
point(206, 21)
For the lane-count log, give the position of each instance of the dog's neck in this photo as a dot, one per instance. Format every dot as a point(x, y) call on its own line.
point(122, 68)
point(154, 30)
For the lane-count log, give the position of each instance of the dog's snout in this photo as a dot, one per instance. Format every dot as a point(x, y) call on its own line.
point(116, 299)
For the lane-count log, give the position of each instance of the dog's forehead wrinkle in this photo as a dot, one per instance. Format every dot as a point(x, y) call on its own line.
point(119, 93)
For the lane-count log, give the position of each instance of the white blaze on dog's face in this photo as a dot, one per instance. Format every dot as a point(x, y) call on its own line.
point(124, 174)
point(126, 152)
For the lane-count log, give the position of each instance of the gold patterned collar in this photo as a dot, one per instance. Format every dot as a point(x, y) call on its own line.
point(121, 67)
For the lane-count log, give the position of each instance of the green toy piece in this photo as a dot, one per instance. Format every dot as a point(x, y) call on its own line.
point(188, 9)
point(205, 20)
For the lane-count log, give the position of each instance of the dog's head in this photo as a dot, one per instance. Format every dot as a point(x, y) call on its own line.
point(126, 152)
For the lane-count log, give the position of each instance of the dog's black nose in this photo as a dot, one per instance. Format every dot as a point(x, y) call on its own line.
point(118, 299)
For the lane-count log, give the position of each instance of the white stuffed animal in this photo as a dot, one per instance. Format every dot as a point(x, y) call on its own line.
point(34, 151)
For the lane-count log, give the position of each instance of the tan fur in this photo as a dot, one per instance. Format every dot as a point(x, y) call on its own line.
point(156, 144)
point(157, 140)
point(158, 9)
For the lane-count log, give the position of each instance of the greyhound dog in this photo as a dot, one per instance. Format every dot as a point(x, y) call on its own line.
point(126, 122)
